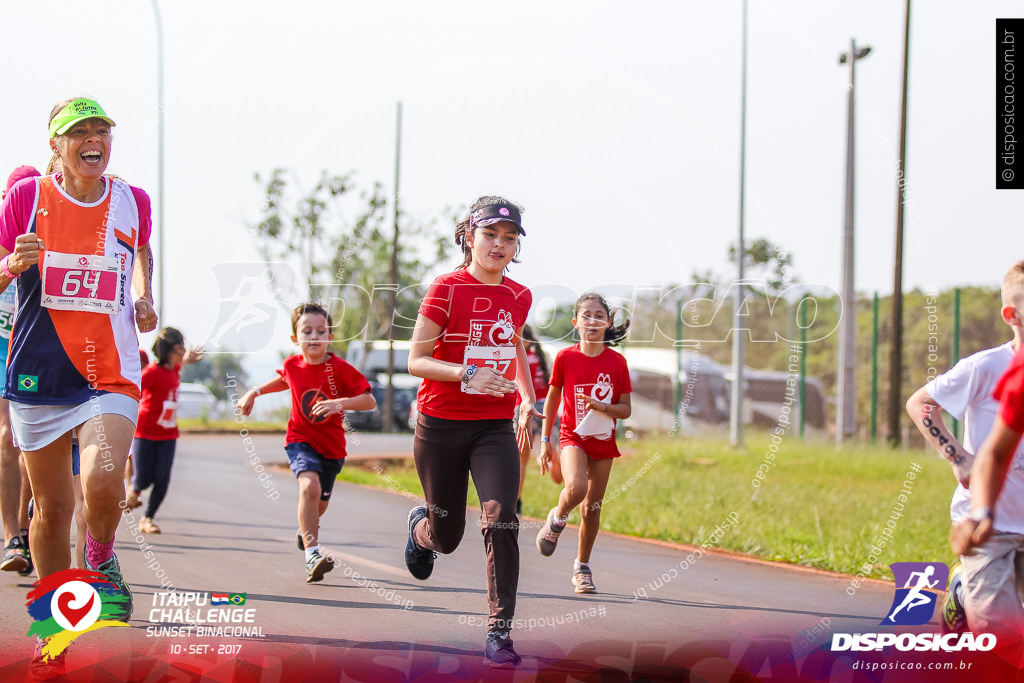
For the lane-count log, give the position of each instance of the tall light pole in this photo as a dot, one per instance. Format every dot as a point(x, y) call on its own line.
point(846, 390)
point(160, 160)
point(387, 412)
point(896, 321)
point(739, 327)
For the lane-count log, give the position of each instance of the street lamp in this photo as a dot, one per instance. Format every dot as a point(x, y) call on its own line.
point(160, 302)
point(846, 389)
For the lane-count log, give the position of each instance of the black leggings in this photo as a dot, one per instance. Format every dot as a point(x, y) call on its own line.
point(446, 453)
point(153, 461)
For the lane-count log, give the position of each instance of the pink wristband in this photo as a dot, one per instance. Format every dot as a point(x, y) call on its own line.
point(4, 266)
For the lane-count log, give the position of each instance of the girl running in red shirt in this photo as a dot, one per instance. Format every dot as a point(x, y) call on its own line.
point(468, 347)
point(156, 435)
point(592, 383)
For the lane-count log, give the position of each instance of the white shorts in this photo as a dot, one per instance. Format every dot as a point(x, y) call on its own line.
point(993, 577)
point(37, 426)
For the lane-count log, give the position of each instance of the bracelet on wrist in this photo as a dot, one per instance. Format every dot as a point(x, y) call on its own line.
point(980, 514)
point(6, 268)
point(545, 439)
point(256, 391)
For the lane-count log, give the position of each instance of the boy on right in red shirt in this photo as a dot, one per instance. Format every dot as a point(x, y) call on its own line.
point(592, 383)
point(323, 387)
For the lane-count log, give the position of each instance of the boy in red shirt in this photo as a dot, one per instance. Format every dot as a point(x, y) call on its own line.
point(323, 387)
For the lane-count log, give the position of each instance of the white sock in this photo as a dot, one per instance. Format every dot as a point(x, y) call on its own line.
point(559, 520)
point(577, 565)
point(310, 551)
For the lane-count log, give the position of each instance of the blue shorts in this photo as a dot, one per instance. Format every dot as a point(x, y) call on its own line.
point(302, 458)
point(76, 461)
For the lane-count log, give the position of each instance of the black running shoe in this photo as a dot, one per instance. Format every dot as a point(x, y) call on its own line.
point(28, 554)
point(420, 561)
point(498, 651)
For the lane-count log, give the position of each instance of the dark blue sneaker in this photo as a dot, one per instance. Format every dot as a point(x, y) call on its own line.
point(15, 556)
point(420, 561)
point(28, 554)
point(498, 652)
point(112, 569)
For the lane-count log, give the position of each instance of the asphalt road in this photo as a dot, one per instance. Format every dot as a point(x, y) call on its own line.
point(662, 611)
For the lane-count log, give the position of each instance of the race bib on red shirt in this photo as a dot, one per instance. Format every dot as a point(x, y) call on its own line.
point(501, 359)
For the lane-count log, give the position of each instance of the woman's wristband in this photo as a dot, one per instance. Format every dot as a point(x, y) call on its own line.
point(255, 391)
point(6, 268)
point(545, 439)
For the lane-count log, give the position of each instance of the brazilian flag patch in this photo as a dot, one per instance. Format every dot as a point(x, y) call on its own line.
point(28, 382)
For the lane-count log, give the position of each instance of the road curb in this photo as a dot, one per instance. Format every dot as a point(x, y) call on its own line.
point(684, 547)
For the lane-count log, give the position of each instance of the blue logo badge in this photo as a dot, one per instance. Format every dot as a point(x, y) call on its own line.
point(917, 587)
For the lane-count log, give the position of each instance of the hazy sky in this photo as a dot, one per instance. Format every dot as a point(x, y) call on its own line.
point(616, 126)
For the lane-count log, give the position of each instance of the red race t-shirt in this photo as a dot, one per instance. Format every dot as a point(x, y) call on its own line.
point(1010, 393)
point(604, 377)
point(158, 408)
point(478, 325)
point(334, 378)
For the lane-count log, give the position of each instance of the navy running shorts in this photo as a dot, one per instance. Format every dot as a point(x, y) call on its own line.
point(302, 458)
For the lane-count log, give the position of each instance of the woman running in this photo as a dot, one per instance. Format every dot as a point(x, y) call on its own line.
point(592, 383)
point(75, 243)
point(468, 347)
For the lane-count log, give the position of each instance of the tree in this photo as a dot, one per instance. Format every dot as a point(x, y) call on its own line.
point(766, 260)
point(214, 371)
point(340, 238)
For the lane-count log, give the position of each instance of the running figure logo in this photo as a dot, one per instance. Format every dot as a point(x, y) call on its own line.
point(914, 603)
point(251, 300)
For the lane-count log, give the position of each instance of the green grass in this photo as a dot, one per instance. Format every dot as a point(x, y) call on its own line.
point(205, 424)
point(815, 506)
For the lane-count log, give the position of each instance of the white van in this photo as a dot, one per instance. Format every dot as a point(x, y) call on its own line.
point(371, 357)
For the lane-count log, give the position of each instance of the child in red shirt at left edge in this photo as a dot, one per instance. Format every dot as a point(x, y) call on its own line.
point(323, 387)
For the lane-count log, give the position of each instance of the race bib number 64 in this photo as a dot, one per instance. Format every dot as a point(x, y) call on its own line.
point(80, 282)
point(501, 359)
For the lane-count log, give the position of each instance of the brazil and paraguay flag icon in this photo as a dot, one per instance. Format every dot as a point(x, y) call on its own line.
point(69, 603)
point(227, 599)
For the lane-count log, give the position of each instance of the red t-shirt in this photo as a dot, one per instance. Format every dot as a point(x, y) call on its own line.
point(334, 378)
point(604, 377)
point(1010, 393)
point(158, 408)
point(478, 324)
